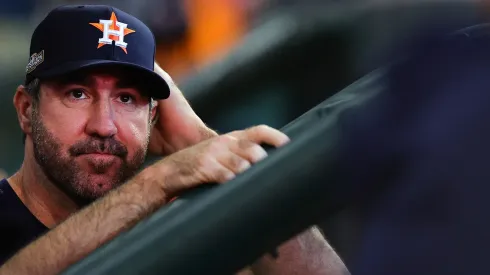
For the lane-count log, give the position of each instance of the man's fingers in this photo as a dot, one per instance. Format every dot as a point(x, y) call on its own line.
point(249, 150)
point(234, 163)
point(263, 134)
point(228, 155)
point(220, 173)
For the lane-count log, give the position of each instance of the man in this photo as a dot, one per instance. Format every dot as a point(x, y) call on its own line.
point(87, 111)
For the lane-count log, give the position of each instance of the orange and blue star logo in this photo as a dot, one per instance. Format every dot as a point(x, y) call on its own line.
point(113, 31)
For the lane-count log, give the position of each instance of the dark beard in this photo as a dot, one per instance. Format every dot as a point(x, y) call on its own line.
point(65, 172)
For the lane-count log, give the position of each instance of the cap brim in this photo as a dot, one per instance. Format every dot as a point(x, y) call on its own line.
point(159, 87)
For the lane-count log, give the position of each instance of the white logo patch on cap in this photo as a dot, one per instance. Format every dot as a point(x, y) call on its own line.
point(34, 61)
point(113, 30)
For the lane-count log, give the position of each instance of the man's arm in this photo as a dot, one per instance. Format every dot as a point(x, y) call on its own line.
point(308, 253)
point(217, 159)
point(178, 126)
point(91, 227)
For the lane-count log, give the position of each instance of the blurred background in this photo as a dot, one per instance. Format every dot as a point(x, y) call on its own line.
point(245, 62)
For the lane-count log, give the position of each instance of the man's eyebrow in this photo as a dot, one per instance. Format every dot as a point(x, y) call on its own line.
point(78, 79)
point(128, 82)
point(90, 81)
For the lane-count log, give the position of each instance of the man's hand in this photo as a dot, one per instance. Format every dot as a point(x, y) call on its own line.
point(217, 160)
point(177, 126)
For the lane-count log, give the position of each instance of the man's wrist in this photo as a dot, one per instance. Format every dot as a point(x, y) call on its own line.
point(150, 183)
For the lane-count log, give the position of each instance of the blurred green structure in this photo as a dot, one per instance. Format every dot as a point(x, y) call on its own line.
point(294, 59)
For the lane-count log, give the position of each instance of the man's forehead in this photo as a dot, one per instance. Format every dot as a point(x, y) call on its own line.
point(121, 77)
point(90, 75)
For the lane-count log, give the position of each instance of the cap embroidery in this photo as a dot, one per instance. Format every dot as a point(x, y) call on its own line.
point(113, 30)
point(34, 61)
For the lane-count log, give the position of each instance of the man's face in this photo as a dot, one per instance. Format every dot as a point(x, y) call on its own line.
point(90, 132)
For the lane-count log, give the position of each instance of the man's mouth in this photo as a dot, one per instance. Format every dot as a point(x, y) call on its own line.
point(99, 156)
point(98, 153)
point(93, 148)
point(95, 153)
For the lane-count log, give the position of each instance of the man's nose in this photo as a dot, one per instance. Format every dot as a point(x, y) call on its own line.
point(101, 119)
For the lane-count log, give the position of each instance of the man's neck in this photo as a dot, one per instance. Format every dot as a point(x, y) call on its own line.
point(45, 201)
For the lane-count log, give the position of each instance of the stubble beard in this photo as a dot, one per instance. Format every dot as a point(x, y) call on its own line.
point(65, 173)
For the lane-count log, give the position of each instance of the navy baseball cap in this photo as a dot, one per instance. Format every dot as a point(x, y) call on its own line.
point(71, 38)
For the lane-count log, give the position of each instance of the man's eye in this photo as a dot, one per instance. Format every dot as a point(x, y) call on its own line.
point(78, 94)
point(126, 98)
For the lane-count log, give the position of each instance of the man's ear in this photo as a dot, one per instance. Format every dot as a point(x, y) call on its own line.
point(23, 103)
point(154, 112)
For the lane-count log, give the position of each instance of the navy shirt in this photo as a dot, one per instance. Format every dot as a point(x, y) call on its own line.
point(17, 224)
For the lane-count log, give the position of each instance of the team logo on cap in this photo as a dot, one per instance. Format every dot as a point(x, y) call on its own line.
point(113, 31)
point(35, 60)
